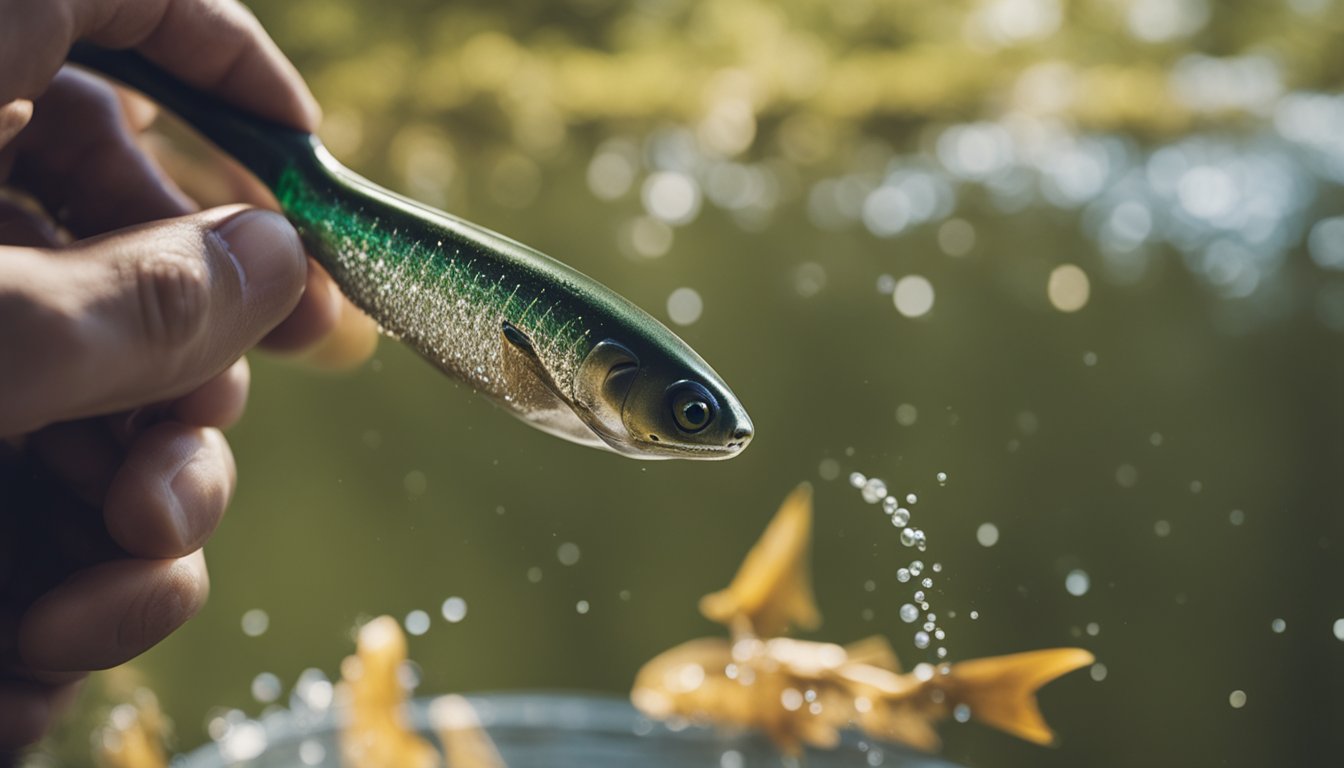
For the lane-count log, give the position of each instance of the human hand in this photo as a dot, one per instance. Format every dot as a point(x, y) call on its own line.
point(121, 355)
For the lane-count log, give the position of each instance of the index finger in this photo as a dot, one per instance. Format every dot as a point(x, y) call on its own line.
point(215, 45)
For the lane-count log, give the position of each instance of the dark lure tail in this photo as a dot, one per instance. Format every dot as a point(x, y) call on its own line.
point(264, 147)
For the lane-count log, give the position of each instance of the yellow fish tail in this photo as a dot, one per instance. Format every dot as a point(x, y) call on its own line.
point(1001, 690)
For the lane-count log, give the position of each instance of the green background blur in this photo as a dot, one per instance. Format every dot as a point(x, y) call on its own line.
point(1162, 399)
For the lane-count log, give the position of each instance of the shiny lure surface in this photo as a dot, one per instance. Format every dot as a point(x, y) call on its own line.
point(554, 347)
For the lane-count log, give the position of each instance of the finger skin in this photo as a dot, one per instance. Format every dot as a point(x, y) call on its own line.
point(215, 45)
point(142, 315)
point(80, 158)
point(110, 613)
point(219, 402)
point(171, 492)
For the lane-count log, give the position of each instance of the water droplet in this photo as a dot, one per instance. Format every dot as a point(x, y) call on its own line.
point(890, 504)
point(911, 499)
point(1162, 528)
point(1339, 629)
point(937, 567)
point(857, 480)
point(256, 622)
point(874, 491)
point(939, 634)
point(684, 306)
point(1236, 517)
point(927, 582)
point(906, 414)
point(975, 615)
point(916, 567)
point(942, 478)
point(1237, 699)
point(1093, 629)
point(902, 574)
point(455, 608)
point(567, 553)
point(266, 688)
point(581, 606)
point(1077, 582)
point(1098, 672)
point(942, 652)
point(961, 713)
point(907, 536)
point(921, 639)
point(1278, 625)
point(417, 623)
point(919, 595)
point(901, 517)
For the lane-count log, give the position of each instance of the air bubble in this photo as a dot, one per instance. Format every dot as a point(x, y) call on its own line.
point(901, 517)
point(927, 582)
point(942, 478)
point(857, 480)
point(907, 536)
point(890, 504)
point(921, 639)
point(911, 499)
point(916, 567)
point(909, 613)
point(874, 491)
point(902, 575)
point(961, 713)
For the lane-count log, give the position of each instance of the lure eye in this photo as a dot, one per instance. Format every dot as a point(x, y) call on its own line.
point(693, 408)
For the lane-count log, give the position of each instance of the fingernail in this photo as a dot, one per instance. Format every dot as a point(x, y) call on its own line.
point(265, 250)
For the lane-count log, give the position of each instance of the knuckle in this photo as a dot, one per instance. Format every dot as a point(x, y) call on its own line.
point(170, 294)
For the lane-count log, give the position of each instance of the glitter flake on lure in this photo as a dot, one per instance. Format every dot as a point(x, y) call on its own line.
point(554, 347)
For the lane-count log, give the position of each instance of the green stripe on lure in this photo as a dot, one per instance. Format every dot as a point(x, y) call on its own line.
point(554, 347)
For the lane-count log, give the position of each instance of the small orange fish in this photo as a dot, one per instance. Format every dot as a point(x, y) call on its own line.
point(773, 588)
point(377, 735)
point(801, 692)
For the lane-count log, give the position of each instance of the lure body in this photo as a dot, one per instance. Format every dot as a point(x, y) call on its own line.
point(553, 346)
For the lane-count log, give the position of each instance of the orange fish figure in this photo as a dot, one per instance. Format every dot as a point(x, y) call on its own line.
point(801, 692)
point(377, 735)
point(773, 588)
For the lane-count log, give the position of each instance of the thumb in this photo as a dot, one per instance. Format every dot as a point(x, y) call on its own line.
point(139, 315)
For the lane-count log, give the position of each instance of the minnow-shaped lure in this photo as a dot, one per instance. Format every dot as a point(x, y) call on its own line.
point(551, 345)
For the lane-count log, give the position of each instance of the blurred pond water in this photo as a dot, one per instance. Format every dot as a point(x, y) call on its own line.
point(1116, 330)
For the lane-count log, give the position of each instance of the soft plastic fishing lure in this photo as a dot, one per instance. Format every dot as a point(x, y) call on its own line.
point(553, 346)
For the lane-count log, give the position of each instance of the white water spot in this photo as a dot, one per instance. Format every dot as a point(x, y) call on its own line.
point(1237, 699)
point(311, 752)
point(987, 534)
point(1098, 672)
point(857, 479)
point(791, 699)
point(1162, 528)
point(1126, 476)
point(581, 607)
point(921, 639)
point(909, 613)
point(417, 622)
point(256, 622)
point(672, 197)
point(874, 490)
point(1077, 582)
point(956, 237)
point(684, 306)
point(1068, 288)
point(913, 296)
point(961, 713)
point(567, 553)
point(416, 483)
point(455, 608)
point(906, 414)
point(1339, 629)
point(731, 759)
point(1279, 626)
point(266, 688)
point(534, 574)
